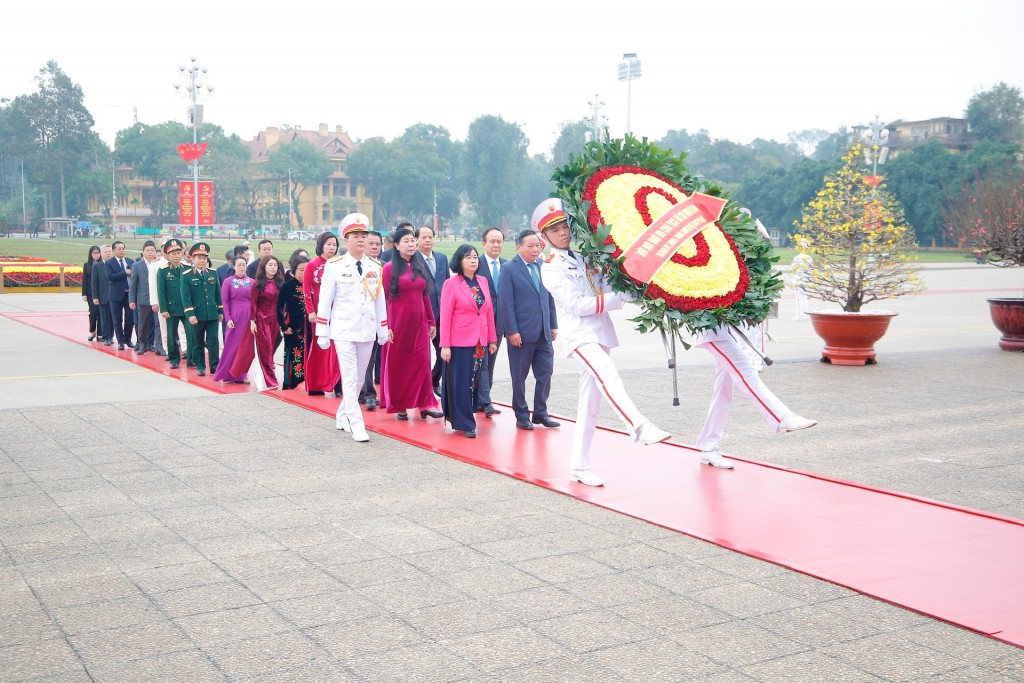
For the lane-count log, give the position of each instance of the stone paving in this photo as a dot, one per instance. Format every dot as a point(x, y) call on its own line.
point(177, 535)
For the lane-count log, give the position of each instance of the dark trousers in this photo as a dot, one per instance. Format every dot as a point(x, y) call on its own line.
point(460, 386)
point(487, 376)
point(435, 372)
point(106, 326)
point(205, 337)
point(94, 320)
point(173, 349)
point(538, 356)
point(145, 327)
point(372, 375)
point(122, 320)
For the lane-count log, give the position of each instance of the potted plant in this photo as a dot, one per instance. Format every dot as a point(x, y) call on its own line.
point(987, 222)
point(861, 250)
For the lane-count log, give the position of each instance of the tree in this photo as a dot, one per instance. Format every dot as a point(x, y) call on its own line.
point(572, 138)
point(833, 147)
point(401, 176)
point(986, 219)
point(307, 166)
point(921, 178)
point(807, 140)
point(996, 114)
point(60, 125)
point(240, 183)
point(493, 161)
point(445, 179)
point(536, 183)
point(152, 152)
point(859, 244)
point(681, 142)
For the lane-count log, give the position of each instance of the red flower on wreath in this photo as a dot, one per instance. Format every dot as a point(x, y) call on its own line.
point(706, 272)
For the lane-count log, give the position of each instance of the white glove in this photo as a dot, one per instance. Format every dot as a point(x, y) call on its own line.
point(323, 342)
point(382, 339)
point(627, 297)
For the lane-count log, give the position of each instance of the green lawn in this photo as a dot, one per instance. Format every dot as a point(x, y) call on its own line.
point(75, 251)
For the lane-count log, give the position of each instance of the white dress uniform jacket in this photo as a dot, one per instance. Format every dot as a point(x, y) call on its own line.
point(352, 306)
point(582, 299)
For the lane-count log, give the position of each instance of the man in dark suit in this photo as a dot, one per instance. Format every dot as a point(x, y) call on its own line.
point(529, 320)
point(101, 295)
point(266, 248)
point(490, 265)
point(437, 268)
point(119, 269)
point(387, 247)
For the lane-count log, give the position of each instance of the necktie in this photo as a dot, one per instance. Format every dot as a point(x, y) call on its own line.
point(535, 273)
point(359, 267)
point(430, 264)
point(495, 271)
point(121, 261)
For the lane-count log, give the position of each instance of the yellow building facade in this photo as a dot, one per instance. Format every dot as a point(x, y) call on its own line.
point(321, 207)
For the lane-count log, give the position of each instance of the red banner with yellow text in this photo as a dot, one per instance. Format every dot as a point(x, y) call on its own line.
point(188, 202)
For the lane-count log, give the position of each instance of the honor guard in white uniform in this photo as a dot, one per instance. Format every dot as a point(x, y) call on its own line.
point(585, 329)
point(353, 314)
point(734, 367)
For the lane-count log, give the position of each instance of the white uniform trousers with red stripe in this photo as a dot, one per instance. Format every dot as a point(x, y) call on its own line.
point(353, 359)
point(733, 368)
point(598, 377)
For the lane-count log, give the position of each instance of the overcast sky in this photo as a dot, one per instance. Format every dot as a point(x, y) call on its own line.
point(741, 69)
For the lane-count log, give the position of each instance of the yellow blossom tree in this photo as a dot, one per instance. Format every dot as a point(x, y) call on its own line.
point(860, 246)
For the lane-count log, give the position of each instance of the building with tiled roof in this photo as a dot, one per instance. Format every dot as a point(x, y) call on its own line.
point(321, 207)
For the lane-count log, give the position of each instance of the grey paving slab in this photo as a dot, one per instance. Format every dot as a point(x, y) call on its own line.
point(257, 545)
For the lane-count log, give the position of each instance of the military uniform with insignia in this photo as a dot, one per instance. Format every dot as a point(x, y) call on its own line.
point(172, 309)
point(352, 312)
point(583, 299)
point(200, 293)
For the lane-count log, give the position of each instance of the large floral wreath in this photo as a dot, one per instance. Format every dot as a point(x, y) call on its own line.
point(616, 193)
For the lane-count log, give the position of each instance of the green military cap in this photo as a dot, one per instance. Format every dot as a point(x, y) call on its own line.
point(199, 248)
point(172, 244)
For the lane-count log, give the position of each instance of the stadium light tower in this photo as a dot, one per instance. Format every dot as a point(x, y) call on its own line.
point(628, 70)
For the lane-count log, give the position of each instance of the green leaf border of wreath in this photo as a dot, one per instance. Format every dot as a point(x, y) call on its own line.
point(757, 252)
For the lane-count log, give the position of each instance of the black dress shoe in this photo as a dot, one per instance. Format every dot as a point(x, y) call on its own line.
point(403, 416)
point(424, 414)
point(524, 424)
point(546, 421)
point(107, 342)
point(159, 352)
point(91, 337)
point(489, 410)
point(316, 393)
point(120, 347)
point(174, 366)
point(201, 373)
point(371, 404)
point(469, 433)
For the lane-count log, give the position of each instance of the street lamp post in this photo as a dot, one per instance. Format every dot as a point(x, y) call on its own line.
point(877, 152)
point(598, 121)
point(628, 70)
point(194, 83)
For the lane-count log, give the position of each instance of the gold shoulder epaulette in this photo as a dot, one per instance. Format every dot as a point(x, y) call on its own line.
point(335, 258)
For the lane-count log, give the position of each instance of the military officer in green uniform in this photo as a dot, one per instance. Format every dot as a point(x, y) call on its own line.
point(172, 310)
point(200, 292)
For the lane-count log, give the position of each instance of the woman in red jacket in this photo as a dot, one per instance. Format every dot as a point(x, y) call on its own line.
point(467, 329)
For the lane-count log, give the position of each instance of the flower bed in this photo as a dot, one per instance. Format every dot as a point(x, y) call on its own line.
point(37, 273)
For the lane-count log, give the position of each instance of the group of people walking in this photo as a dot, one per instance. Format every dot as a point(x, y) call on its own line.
point(359, 314)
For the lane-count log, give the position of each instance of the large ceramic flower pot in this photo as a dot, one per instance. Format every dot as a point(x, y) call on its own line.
point(850, 337)
point(1008, 316)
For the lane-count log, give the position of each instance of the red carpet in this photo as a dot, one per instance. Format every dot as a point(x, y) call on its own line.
point(955, 564)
